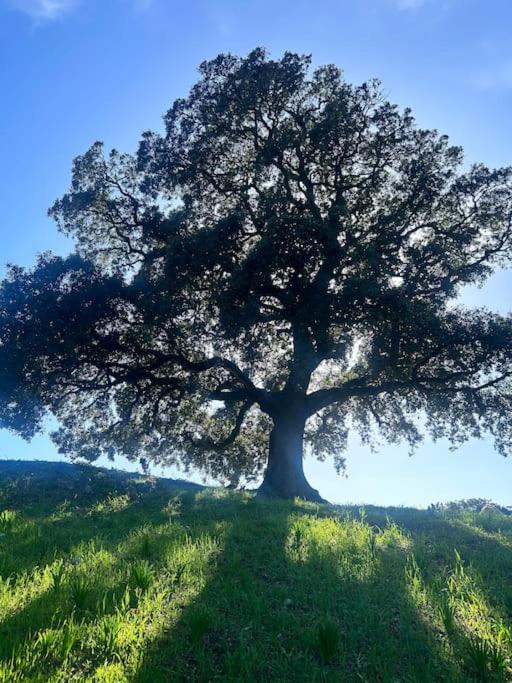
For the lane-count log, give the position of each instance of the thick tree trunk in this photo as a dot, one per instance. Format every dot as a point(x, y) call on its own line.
point(284, 476)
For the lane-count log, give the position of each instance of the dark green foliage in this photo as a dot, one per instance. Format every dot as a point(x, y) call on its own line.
point(486, 660)
point(290, 247)
point(328, 639)
point(145, 549)
point(58, 573)
point(199, 622)
point(447, 614)
point(472, 505)
point(80, 591)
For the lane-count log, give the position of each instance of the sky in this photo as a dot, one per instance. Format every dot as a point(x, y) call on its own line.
point(76, 71)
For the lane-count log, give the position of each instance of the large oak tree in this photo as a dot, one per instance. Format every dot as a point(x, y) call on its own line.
point(279, 267)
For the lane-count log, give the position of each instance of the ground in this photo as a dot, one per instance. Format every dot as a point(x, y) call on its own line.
point(114, 577)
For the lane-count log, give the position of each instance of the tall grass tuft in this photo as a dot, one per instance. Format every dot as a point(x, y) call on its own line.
point(108, 634)
point(200, 623)
point(447, 613)
point(69, 638)
point(486, 659)
point(141, 575)
point(48, 643)
point(179, 573)
point(146, 550)
point(57, 575)
point(7, 520)
point(328, 639)
point(371, 543)
point(80, 591)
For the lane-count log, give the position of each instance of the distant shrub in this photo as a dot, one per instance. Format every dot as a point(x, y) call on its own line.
point(174, 506)
point(113, 503)
point(471, 505)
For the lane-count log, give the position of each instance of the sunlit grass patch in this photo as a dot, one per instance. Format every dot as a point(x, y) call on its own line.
point(112, 503)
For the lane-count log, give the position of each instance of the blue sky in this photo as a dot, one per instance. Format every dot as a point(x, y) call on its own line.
point(74, 71)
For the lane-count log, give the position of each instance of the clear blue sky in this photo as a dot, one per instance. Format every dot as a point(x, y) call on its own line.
point(74, 71)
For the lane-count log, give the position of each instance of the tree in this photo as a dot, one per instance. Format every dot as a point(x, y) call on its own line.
point(281, 265)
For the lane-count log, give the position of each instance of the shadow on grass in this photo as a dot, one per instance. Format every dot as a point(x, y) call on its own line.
point(437, 540)
point(259, 614)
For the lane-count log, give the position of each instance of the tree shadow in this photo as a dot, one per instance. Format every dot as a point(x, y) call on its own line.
point(128, 542)
point(258, 616)
point(437, 539)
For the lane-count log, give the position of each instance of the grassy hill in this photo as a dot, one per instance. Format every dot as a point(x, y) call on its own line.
point(115, 577)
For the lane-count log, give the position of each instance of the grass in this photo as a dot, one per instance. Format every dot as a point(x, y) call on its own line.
point(121, 582)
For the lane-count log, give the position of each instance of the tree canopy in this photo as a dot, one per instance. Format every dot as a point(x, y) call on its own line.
point(282, 263)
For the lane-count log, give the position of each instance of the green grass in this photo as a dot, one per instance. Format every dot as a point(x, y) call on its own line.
point(115, 582)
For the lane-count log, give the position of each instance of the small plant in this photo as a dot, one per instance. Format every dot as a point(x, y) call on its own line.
point(6, 583)
point(110, 672)
point(47, 642)
point(11, 670)
point(371, 543)
point(57, 575)
point(174, 507)
point(486, 658)
point(69, 638)
point(459, 566)
point(141, 575)
point(447, 613)
point(328, 639)
point(80, 591)
point(298, 537)
point(125, 602)
point(413, 574)
point(7, 519)
point(146, 550)
point(178, 573)
point(199, 622)
point(108, 635)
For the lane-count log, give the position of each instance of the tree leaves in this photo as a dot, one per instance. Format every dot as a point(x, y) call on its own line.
point(286, 222)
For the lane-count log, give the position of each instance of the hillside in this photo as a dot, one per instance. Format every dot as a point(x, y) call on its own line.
point(108, 576)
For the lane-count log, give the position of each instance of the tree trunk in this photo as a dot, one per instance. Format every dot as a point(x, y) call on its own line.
point(284, 476)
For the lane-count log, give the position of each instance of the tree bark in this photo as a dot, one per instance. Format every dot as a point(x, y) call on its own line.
point(284, 476)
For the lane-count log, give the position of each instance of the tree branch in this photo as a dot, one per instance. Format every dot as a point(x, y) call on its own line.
point(324, 397)
point(208, 443)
